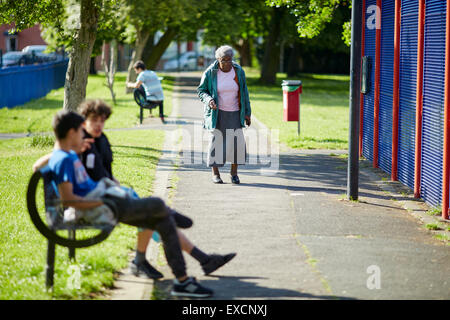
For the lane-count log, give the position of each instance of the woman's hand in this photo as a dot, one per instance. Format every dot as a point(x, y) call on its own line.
point(212, 104)
point(248, 121)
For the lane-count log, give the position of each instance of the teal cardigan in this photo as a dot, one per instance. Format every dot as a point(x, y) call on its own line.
point(207, 90)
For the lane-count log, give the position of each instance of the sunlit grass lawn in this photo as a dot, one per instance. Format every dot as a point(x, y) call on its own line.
point(36, 115)
point(323, 110)
point(23, 249)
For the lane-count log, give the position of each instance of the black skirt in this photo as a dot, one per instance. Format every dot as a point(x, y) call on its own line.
point(227, 142)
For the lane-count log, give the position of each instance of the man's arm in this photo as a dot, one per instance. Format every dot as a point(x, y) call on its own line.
point(41, 162)
point(72, 200)
point(135, 85)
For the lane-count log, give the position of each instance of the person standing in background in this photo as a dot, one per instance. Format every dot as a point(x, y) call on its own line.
point(223, 91)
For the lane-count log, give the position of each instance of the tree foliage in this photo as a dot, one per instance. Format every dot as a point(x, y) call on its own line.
point(26, 13)
point(233, 20)
point(312, 15)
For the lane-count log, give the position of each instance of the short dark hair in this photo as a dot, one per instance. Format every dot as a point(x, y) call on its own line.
point(96, 107)
point(65, 120)
point(139, 65)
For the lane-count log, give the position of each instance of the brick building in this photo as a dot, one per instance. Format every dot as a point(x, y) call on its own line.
point(16, 41)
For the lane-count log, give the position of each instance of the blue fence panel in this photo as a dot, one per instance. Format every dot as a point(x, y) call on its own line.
point(21, 84)
point(386, 85)
point(433, 102)
point(369, 50)
point(408, 84)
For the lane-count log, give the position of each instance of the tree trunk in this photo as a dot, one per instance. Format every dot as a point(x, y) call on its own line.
point(293, 65)
point(148, 47)
point(245, 52)
point(160, 47)
point(80, 57)
point(142, 37)
point(92, 69)
point(110, 71)
point(271, 60)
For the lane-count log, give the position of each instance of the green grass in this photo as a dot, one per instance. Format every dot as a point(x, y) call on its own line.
point(36, 115)
point(323, 110)
point(23, 248)
point(442, 237)
point(432, 226)
point(435, 211)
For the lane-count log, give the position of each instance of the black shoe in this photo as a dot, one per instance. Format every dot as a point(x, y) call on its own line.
point(145, 269)
point(162, 120)
point(190, 288)
point(217, 179)
point(216, 261)
point(181, 221)
point(235, 179)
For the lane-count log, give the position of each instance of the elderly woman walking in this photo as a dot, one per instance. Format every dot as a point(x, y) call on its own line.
point(223, 90)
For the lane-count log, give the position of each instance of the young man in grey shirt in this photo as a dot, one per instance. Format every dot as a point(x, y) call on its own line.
point(148, 84)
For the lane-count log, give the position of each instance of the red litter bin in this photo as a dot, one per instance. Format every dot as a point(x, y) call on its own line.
point(291, 100)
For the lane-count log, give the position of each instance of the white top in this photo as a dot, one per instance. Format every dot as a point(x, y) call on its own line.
point(152, 85)
point(228, 90)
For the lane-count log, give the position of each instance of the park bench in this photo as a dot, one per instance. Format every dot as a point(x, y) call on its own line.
point(48, 218)
point(143, 103)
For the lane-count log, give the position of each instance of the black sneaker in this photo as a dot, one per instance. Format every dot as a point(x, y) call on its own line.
point(216, 261)
point(190, 288)
point(145, 269)
point(235, 180)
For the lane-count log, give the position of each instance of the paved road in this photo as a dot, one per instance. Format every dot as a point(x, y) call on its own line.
point(295, 236)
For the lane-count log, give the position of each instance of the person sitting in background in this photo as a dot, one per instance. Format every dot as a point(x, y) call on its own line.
point(148, 85)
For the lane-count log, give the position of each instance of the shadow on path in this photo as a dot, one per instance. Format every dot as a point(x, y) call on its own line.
point(230, 287)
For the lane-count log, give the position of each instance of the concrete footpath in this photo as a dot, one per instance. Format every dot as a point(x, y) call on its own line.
point(295, 235)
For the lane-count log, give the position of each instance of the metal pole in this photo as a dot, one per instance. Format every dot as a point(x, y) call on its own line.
point(361, 95)
point(355, 70)
point(419, 99)
point(376, 105)
point(50, 270)
point(72, 236)
point(396, 91)
point(446, 155)
point(298, 129)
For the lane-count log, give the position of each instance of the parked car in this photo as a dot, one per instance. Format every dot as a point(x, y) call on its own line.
point(40, 55)
point(188, 61)
point(16, 58)
point(34, 48)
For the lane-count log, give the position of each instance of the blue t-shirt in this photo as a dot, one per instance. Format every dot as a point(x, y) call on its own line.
point(67, 167)
point(152, 85)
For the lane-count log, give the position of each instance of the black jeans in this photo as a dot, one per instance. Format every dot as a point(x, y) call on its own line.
point(141, 91)
point(152, 213)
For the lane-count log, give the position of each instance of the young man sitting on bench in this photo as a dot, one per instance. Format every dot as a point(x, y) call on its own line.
point(78, 189)
point(148, 85)
point(97, 159)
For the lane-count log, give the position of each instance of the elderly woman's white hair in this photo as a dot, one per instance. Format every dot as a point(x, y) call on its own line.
point(224, 51)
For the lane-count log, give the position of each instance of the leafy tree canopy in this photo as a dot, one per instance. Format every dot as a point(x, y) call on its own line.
point(312, 15)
